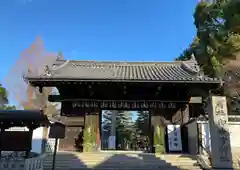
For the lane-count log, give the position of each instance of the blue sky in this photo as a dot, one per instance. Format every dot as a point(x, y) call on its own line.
point(145, 30)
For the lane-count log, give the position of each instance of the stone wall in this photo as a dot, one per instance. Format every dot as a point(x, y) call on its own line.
point(233, 131)
point(202, 127)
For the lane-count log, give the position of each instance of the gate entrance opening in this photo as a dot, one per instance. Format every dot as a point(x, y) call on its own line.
point(126, 130)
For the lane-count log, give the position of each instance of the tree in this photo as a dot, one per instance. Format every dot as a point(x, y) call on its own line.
point(123, 120)
point(124, 125)
point(217, 42)
point(4, 100)
point(106, 123)
point(32, 60)
point(142, 123)
point(3, 95)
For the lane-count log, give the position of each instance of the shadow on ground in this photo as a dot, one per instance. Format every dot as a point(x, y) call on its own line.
point(110, 161)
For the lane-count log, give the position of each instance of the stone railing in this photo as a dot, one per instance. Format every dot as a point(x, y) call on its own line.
point(18, 163)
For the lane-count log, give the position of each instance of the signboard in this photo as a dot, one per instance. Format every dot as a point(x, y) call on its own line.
point(174, 138)
point(123, 104)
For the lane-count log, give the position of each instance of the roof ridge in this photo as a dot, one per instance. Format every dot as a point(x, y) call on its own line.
point(121, 62)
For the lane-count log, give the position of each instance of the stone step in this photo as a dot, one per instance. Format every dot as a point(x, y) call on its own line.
point(115, 168)
point(118, 165)
point(122, 162)
point(122, 165)
point(93, 157)
point(120, 156)
point(125, 161)
point(117, 162)
point(180, 167)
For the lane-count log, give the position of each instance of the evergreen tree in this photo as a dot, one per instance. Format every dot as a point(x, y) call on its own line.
point(123, 125)
point(218, 35)
point(106, 123)
point(4, 100)
point(142, 123)
point(217, 42)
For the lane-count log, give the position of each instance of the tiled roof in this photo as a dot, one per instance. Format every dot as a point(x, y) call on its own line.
point(179, 71)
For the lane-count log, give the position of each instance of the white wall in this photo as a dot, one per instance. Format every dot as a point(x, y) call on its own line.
point(233, 131)
point(37, 140)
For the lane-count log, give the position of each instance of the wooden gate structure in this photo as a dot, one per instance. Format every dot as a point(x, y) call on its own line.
point(88, 87)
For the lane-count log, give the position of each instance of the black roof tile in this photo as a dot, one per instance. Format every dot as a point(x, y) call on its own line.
point(177, 71)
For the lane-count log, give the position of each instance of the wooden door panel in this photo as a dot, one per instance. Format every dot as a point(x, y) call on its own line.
point(68, 144)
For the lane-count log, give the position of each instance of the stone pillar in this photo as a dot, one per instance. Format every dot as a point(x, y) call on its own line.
point(158, 127)
point(91, 140)
point(112, 137)
point(221, 155)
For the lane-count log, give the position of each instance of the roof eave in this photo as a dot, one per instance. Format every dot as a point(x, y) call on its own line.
point(54, 79)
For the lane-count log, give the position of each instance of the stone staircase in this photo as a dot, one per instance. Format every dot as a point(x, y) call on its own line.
point(120, 161)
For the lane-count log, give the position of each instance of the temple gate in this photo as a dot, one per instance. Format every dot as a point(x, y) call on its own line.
point(86, 88)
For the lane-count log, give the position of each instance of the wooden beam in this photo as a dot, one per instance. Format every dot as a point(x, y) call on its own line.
point(195, 100)
point(55, 98)
point(59, 98)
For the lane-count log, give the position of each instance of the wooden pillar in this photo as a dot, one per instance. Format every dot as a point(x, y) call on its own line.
point(158, 127)
point(185, 114)
point(91, 140)
point(180, 115)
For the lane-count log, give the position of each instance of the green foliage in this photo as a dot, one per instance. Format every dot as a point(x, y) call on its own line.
point(232, 16)
point(90, 133)
point(217, 38)
point(123, 124)
point(142, 123)
point(89, 139)
point(159, 139)
point(6, 107)
point(4, 99)
point(3, 95)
